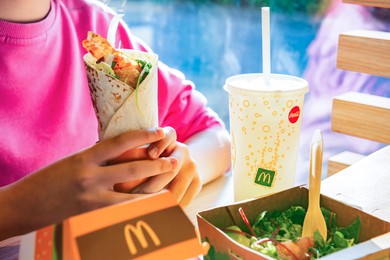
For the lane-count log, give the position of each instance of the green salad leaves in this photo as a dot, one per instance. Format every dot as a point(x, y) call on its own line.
point(146, 67)
point(340, 238)
point(278, 234)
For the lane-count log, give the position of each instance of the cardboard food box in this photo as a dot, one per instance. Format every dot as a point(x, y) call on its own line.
point(152, 227)
point(374, 239)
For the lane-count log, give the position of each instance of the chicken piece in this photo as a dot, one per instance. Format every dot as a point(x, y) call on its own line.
point(128, 75)
point(305, 243)
point(295, 250)
point(125, 68)
point(97, 46)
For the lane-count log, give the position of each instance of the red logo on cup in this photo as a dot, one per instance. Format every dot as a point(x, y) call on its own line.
point(294, 114)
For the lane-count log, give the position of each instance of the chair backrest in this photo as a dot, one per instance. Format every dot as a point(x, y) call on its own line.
point(358, 114)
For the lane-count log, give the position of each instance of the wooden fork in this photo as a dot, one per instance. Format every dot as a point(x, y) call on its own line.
point(314, 220)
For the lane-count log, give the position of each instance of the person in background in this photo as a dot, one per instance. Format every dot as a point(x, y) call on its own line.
point(326, 81)
point(50, 164)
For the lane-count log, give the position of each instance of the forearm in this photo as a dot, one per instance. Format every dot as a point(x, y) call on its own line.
point(14, 218)
point(211, 151)
point(26, 207)
point(5, 214)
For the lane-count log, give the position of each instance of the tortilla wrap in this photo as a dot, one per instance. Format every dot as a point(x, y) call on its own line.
point(119, 107)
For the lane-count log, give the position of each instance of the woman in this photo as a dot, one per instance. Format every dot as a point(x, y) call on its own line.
point(50, 166)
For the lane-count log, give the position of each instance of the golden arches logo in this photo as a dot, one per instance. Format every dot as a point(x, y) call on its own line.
point(265, 177)
point(139, 234)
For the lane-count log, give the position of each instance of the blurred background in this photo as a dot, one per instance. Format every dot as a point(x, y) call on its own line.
point(211, 40)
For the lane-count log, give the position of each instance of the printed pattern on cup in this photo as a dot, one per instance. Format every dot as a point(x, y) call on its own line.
point(265, 133)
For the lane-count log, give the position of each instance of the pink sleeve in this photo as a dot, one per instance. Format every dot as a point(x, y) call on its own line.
point(180, 105)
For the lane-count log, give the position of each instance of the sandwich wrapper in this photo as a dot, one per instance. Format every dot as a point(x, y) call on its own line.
point(119, 107)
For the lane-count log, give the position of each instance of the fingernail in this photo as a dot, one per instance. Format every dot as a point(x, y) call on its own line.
point(159, 131)
point(174, 163)
point(135, 191)
point(153, 152)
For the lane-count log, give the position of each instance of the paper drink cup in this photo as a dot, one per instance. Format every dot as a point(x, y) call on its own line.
point(265, 124)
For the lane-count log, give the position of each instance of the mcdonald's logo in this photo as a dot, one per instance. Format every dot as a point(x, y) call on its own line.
point(137, 237)
point(265, 177)
point(138, 231)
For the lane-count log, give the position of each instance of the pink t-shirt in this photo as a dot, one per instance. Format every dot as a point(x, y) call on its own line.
point(45, 107)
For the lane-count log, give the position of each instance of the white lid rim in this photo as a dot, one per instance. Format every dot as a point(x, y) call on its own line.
point(229, 87)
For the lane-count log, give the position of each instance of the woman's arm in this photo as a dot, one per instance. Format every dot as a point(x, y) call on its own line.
point(78, 183)
point(211, 151)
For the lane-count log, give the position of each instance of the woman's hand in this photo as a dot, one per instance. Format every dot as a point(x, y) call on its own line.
point(186, 184)
point(78, 183)
point(183, 181)
point(160, 148)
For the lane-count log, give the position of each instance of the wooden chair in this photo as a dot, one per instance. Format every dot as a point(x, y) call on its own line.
point(357, 114)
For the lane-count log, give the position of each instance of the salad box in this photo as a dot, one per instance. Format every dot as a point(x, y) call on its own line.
point(373, 242)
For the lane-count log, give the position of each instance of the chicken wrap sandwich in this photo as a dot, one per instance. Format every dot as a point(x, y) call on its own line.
point(123, 86)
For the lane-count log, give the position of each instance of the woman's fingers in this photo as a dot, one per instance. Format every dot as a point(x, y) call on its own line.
point(184, 187)
point(135, 170)
point(113, 147)
point(184, 181)
point(118, 197)
point(165, 146)
point(159, 182)
point(155, 184)
point(134, 154)
point(192, 191)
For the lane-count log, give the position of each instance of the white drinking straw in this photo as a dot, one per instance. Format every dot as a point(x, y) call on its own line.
point(266, 44)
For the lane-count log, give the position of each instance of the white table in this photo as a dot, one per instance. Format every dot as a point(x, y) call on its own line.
point(365, 185)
